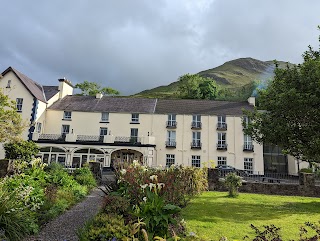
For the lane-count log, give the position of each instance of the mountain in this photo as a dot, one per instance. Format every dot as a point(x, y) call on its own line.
point(234, 75)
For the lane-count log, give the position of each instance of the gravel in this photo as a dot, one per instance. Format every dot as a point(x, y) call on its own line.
point(64, 227)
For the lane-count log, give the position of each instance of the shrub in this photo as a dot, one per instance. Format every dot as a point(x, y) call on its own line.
point(116, 204)
point(104, 227)
point(84, 176)
point(233, 182)
point(306, 170)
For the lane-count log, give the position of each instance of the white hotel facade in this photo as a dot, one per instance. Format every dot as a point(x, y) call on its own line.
point(73, 130)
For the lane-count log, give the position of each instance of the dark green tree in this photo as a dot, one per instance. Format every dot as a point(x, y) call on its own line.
point(22, 150)
point(193, 86)
point(92, 88)
point(289, 114)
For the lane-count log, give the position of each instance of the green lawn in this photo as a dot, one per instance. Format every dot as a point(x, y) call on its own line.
point(213, 214)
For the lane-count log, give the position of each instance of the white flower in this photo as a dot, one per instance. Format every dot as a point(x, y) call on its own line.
point(135, 163)
point(151, 185)
point(123, 171)
point(144, 186)
point(144, 199)
point(160, 185)
point(154, 177)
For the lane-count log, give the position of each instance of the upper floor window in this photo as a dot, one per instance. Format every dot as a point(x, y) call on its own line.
point(67, 115)
point(171, 120)
point(195, 161)
point(104, 117)
point(65, 129)
point(170, 160)
point(9, 84)
point(222, 125)
point(171, 139)
point(245, 121)
point(247, 144)
point(134, 135)
point(196, 121)
point(196, 139)
point(222, 142)
point(19, 102)
point(38, 127)
point(134, 118)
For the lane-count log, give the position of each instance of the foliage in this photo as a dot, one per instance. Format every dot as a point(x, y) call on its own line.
point(181, 183)
point(233, 182)
point(154, 212)
point(11, 124)
point(290, 104)
point(85, 177)
point(197, 87)
point(93, 88)
point(306, 170)
point(21, 149)
point(104, 227)
point(116, 204)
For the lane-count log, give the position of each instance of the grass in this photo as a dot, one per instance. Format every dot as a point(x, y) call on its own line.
point(214, 215)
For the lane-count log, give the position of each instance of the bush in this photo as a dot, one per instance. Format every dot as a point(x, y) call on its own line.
point(104, 227)
point(306, 170)
point(233, 182)
point(116, 204)
point(84, 176)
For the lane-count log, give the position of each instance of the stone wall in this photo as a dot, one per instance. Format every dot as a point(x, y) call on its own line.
point(306, 186)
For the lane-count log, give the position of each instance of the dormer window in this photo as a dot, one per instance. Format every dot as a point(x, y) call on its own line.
point(67, 115)
point(9, 84)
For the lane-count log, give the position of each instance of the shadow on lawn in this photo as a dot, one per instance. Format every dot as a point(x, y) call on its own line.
point(207, 210)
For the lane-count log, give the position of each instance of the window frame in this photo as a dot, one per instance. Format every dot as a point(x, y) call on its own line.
point(19, 104)
point(63, 128)
point(103, 130)
point(222, 161)
point(104, 117)
point(196, 161)
point(248, 164)
point(135, 118)
point(38, 127)
point(169, 159)
point(66, 115)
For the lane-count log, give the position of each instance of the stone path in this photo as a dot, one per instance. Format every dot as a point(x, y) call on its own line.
point(64, 227)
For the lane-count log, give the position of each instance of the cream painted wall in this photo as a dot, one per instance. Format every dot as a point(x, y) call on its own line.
point(65, 88)
point(209, 137)
point(18, 90)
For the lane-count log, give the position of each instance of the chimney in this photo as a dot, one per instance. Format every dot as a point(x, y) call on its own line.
point(65, 87)
point(252, 100)
point(99, 95)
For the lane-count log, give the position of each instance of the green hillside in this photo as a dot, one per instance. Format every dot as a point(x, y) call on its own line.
point(235, 76)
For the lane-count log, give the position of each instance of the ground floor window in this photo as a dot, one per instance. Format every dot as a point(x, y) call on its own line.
point(52, 154)
point(248, 164)
point(222, 161)
point(170, 160)
point(195, 161)
point(83, 156)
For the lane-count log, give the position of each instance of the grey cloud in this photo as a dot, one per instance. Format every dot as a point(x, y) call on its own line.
point(136, 45)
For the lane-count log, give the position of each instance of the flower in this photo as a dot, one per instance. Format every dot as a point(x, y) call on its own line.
point(151, 185)
point(154, 177)
point(144, 186)
point(160, 185)
point(144, 199)
point(123, 171)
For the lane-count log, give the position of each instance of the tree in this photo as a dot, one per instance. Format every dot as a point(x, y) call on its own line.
point(193, 86)
point(11, 123)
point(92, 88)
point(23, 150)
point(289, 114)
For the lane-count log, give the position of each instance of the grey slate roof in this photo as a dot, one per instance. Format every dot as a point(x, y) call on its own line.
point(206, 107)
point(105, 104)
point(34, 88)
point(50, 91)
point(143, 105)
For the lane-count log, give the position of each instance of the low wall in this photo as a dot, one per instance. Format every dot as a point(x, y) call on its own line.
point(305, 188)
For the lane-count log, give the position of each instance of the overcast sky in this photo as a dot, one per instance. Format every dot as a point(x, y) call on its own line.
point(133, 45)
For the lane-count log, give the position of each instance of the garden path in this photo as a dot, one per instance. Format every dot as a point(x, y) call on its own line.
point(64, 227)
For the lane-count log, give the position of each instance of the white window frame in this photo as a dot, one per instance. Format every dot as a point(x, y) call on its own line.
point(222, 121)
point(19, 104)
point(248, 164)
point(171, 136)
point(172, 119)
point(104, 116)
point(67, 115)
point(9, 84)
point(222, 141)
point(196, 138)
point(196, 161)
point(222, 161)
point(170, 160)
point(65, 129)
point(134, 118)
point(196, 121)
point(246, 120)
point(38, 127)
point(103, 131)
